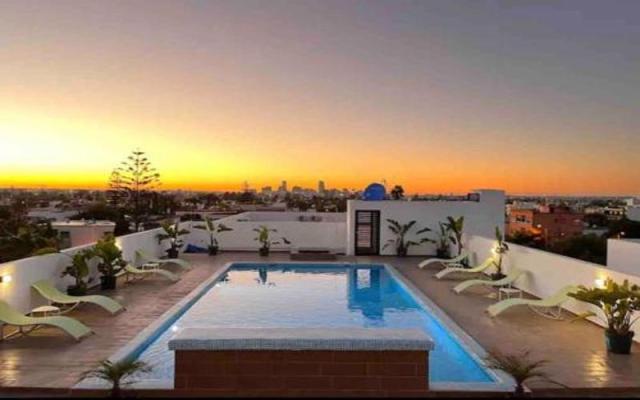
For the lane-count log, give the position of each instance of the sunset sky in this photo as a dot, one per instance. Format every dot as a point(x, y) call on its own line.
point(439, 96)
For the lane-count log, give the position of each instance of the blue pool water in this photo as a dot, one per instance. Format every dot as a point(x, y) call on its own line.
point(329, 295)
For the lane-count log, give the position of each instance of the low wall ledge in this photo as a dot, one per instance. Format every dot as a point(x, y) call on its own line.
point(336, 339)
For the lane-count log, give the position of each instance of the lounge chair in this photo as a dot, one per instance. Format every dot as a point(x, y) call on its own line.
point(53, 295)
point(551, 307)
point(447, 262)
point(506, 281)
point(145, 257)
point(10, 316)
point(474, 270)
point(131, 271)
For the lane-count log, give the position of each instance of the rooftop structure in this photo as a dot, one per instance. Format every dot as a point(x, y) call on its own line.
point(362, 303)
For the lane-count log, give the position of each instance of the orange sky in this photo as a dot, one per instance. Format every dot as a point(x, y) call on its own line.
point(219, 93)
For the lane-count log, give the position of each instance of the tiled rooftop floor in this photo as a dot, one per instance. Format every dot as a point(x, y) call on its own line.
point(576, 353)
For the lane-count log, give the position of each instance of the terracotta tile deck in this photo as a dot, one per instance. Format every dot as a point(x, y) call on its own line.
point(576, 353)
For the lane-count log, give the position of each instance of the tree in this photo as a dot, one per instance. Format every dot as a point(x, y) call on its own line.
point(584, 247)
point(104, 211)
point(525, 238)
point(397, 193)
point(131, 181)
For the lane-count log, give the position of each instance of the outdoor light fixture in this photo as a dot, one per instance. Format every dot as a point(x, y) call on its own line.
point(600, 283)
point(5, 278)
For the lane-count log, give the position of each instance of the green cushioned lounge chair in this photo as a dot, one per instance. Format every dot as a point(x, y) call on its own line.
point(551, 307)
point(53, 295)
point(148, 258)
point(457, 269)
point(455, 261)
point(71, 326)
point(513, 274)
point(133, 272)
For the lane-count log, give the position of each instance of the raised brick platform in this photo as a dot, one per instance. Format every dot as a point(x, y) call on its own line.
point(398, 367)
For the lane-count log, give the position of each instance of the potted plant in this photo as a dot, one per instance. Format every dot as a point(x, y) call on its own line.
point(500, 250)
point(442, 246)
point(172, 232)
point(455, 226)
point(264, 237)
point(111, 262)
point(213, 229)
point(400, 242)
point(118, 374)
point(618, 303)
point(79, 270)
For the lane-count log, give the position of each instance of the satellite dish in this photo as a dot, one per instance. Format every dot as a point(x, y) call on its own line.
point(374, 192)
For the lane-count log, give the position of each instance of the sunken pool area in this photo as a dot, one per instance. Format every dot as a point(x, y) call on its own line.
point(342, 310)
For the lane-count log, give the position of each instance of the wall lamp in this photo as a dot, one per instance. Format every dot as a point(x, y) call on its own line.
point(5, 278)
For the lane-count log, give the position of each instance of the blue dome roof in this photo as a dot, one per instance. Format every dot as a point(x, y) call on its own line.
point(374, 192)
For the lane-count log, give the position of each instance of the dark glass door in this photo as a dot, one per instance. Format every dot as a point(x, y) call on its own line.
point(367, 232)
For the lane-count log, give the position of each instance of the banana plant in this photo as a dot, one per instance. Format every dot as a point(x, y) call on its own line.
point(213, 229)
point(456, 227)
point(400, 241)
point(172, 232)
point(618, 303)
point(78, 270)
point(264, 237)
point(442, 242)
point(111, 261)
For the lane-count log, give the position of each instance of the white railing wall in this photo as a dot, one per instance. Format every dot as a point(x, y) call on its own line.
point(331, 235)
point(623, 255)
point(26, 271)
point(546, 273)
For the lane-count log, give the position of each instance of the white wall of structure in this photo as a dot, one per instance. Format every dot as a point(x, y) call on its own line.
point(546, 273)
point(26, 271)
point(84, 232)
point(633, 213)
point(623, 255)
point(481, 217)
point(329, 233)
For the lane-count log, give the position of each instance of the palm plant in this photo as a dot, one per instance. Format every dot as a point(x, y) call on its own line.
point(78, 270)
point(500, 249)
point(618, 302)
point(397, 192)
point(213, 229)
point(400, 231)
point(442, 249)
point(455, 227)
point(519, 366)
point(264, 237)
point(118, 374)
point(111, 261)
point(172, 232)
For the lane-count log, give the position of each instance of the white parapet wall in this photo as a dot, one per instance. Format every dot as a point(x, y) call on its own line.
point(26, 271)
point(302, 229)
point(481, 217)
point(546, 273)
point(633, 213)
point(623, 255)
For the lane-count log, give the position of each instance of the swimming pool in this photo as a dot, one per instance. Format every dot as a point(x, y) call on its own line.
point(253, 295)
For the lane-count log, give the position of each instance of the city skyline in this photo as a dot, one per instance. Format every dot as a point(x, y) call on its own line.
point(439, 97)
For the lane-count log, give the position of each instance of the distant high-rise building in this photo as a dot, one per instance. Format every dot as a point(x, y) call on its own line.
point(321, 187)
point(283, 187)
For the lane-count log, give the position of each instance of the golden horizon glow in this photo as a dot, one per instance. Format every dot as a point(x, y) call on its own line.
point(220, 93)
